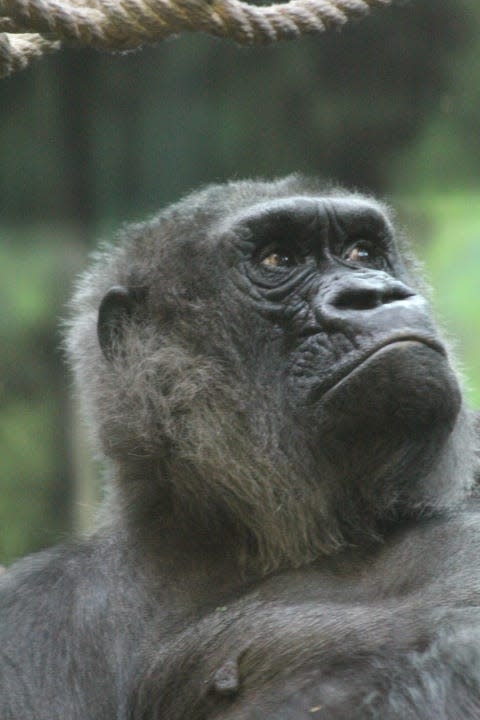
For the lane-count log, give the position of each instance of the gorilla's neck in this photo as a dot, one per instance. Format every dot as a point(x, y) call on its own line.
point(266, 518)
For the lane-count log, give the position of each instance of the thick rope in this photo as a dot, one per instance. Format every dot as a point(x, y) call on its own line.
point(30, 28)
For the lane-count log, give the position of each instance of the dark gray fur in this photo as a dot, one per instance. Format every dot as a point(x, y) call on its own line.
point(292, 529)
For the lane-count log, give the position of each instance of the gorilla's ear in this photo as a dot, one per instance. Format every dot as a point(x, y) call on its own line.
point(116, 307)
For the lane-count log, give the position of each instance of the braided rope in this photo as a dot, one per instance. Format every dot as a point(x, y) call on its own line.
point(30, 28)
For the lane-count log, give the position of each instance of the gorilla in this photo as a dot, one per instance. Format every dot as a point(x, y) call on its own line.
point(291, 528)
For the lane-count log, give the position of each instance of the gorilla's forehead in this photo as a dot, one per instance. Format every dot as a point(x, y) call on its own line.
point(344, 212)
point(216, 209)
point(306, 207)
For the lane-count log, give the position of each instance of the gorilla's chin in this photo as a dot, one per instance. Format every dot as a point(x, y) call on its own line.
point(393, 412)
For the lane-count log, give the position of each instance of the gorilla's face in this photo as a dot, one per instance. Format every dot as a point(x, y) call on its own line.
point(341, 336)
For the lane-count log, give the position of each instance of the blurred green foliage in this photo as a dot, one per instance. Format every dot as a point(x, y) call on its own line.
point(36, 268)
point(451, 253)
point(87, 141)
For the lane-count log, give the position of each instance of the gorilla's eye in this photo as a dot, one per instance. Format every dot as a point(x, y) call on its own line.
point(361, 251)
point(364, 252)
point(274, 256)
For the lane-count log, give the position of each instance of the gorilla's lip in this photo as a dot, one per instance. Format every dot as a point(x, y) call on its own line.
point(430, 342)
point(427, 341)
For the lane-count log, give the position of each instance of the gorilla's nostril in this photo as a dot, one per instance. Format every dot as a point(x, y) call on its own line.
point(358, 300)
point(365, 295)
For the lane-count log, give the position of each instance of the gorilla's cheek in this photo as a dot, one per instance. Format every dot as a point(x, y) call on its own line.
point(404, 398)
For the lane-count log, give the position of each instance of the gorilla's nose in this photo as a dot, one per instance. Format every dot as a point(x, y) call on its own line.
point(363, 293)
point(369, 304)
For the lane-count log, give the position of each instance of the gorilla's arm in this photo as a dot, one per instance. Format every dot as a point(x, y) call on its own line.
point(394, 639)
point(61, 655)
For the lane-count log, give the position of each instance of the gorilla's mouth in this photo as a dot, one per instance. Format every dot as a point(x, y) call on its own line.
point(430, 342)
point(399, 343)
